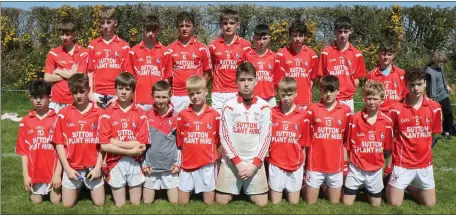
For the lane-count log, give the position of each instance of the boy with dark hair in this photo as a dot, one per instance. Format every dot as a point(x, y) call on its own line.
point(391, 76)
point(326, 152)
point(41, 168)
point(287, 152)
point(415, 121)
point(267, 65)
point(108, 57)
point(62, 62)
point(198, 138)
point(124, 132)
point(344, 61)
point(162, 159)
point(75, 135)
point(300, 63)
point(227, 52)
point(188, 57)
point(149, 62)
point(246, 134)
point(370, 133)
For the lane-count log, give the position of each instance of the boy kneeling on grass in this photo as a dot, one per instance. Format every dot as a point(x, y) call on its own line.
point(41, 168)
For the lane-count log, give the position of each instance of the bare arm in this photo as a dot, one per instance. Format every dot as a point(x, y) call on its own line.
point(25, 175)
point(125, 152)
point(124, 144)
point(356, 83)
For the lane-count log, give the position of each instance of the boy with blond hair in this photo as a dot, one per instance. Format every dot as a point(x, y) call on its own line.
point(75, 135)
point(108, 57)
point(370, 133)
point(227, 51)
point(198, 139)
point(246, 134)
point(123, 133)
point(290, 132)
point(162, 159)
point(41, 169)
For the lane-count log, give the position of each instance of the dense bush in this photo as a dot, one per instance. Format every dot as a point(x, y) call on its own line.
point(27, 35)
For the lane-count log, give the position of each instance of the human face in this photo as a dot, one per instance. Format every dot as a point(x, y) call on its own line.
point(151, 35)
point(66, 38)
point(287, 97)
point(297, 39)
point(198, 97)
point(185, 29)
point(373, 102)
point(40, 103)
point(161, 99)
point(81, 97)
point(229, 27)
point(385, 58)
point(108, 26)
point(262, 42)
point(328, 97)
point(342, 35)
point(246, 84)
point(124, 93)
point(416, 88)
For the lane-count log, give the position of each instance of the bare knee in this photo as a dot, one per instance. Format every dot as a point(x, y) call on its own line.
point(120, 204)
point(67, 204)
point(430, 203)
point(261, 203)
point(98, 202)
point(36, 201)
point(222, 200)
point(55, 201)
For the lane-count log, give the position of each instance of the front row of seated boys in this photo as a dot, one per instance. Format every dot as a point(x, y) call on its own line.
point(251, 146)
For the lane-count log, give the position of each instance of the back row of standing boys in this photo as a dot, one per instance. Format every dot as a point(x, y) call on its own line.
point(168, 138)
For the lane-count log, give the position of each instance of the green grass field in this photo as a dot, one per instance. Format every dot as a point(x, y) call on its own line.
point(15, 199)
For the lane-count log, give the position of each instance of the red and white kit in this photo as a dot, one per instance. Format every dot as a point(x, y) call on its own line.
point(346, 65)
point(59, 58)
point(192, 59)
point(148, 67)
point(394, 85)
point(106, 61)
point(268, 70)
point(303, 67)
point(33, 141)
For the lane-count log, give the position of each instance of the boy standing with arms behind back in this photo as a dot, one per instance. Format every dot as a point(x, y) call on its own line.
point(227, 52)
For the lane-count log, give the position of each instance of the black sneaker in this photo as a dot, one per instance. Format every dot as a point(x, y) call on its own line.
point(446, 135)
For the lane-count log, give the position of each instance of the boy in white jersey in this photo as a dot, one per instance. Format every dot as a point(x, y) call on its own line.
point(245, 136)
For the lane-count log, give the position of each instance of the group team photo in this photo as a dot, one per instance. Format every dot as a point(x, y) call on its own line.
point(190, 122)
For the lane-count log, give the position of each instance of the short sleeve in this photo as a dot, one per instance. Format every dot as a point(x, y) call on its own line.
point(322, 65)
point(305, 131)
point(50, 65)
point(104, 131)
point(315, 64)
point(125, 59)
point(389, 138)
point(205, 57)
point(179, 135)
point(58, 135)
point(143, 132)
point(91, 59)
point(83, 62)
point(22, 148)
point(360, 70)
point(437, 119)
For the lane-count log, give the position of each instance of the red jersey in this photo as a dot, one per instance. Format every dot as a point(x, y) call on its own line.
point(123, 126)
point(198, 137)
point(192, 59)
point(106, 61)
point(165, 123)
point(346, 65)
point(59, 58)
point(328, 132)
point(33, 142)
point(268, 70)
point(289, 136)
point(393, 83)
point(365, 142)
point(225, 59)
point(148, 66)
point(413, 132)
point(78, 134)
point(303, 67)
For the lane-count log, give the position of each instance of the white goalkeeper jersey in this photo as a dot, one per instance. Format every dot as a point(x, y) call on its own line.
point(245, 131)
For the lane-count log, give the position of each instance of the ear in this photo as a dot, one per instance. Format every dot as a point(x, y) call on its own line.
point(115, 23)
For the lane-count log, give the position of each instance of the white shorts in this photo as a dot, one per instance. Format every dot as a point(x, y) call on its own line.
point(76, 184)
point(315, 179)
point(349, 103)
point(422, 178)
point(161, 180)
point(200, 180)
point(372, 181)
point(280, 179)
point(41, 189)
point(127, 171)
point(272, 102)
point(219, 99)
point(145, 107)
point(57, 106)
point(229, 181)
point(180, 103)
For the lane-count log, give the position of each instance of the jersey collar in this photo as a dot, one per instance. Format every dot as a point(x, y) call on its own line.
point(143, 46)
point(170, 110)
point(206, 109)
point(237, 39)
point(240, 99)
point(117, 106)
point(335, 47)
point(424, 103)
point(93, 108)
point(51, 112)
point(279, 110)
point(192, 41)
point(114, 39)
point(379, 73)
point(364, 115)
point(292, 51)
point(338, 105)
